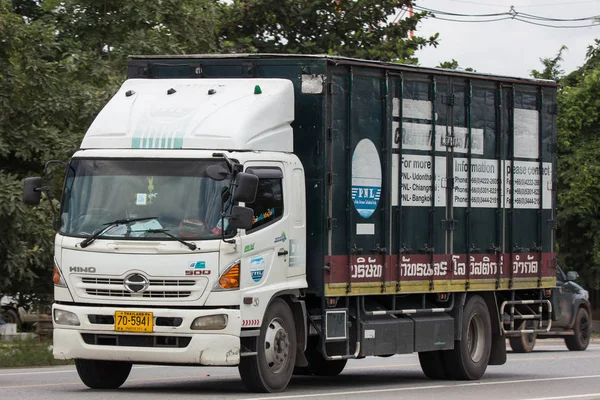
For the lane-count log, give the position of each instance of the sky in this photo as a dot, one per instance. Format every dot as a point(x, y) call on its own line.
point(507, 47)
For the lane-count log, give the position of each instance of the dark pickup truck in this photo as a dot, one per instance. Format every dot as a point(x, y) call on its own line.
point(572, 319)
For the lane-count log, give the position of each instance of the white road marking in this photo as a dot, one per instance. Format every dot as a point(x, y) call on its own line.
point(573, 396)
point(404, 389)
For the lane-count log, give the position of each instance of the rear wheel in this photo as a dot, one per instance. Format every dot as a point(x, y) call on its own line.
point(524, 343)
point(318, 365)
point(432, 364)
point(271, 369)
point(470, 356)
point(582, 332)
point(98, 374)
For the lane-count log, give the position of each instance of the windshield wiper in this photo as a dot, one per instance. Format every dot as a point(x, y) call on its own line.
point(87, 241)
point(191, 246)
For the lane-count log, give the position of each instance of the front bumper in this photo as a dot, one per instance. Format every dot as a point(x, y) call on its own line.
point(167, 344)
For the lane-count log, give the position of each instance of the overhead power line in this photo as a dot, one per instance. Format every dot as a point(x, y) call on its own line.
point(511, 14)
point(561, 3)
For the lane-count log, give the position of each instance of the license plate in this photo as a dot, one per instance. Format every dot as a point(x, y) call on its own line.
point(133, 321)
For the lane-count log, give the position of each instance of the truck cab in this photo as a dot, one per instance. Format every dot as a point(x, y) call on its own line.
point(149, 258)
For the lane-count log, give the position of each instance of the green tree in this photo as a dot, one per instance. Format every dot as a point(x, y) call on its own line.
point(361, 29)
point(578, 123)
point(453, 65)
point(60, 61)
point(552, 69)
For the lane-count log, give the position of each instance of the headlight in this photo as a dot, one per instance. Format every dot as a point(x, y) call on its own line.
point(210, 322)
point(62, 317)
point(586, 294)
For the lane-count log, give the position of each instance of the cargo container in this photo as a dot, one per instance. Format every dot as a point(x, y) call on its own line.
point(286, 213)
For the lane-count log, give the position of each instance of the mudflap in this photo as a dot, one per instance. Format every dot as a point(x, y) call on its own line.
point(498, 352)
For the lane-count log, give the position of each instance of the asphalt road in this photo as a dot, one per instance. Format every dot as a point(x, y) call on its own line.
point(550, 372)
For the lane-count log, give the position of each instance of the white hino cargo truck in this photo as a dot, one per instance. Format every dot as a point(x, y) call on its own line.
point(285, 214)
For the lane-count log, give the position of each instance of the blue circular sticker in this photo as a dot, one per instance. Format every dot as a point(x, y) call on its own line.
point(366, 178)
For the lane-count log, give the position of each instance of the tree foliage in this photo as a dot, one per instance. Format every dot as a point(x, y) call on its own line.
point(361, 29)
point(454, 65)
point(61, 60)
point(552, 69)
point(578, 217)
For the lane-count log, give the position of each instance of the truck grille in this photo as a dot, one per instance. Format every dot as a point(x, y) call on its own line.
point(169, 289)
point(153, 282)
point(149, 294)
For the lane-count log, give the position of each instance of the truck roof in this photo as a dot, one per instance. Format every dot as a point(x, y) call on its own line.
point(338, 60)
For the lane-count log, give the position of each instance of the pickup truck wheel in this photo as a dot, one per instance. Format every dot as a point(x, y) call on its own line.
point(10, 316)
point(524, 343)
point(470, 356)
point(582, 329)
point(432, 364)
point(271, 368)
point(99, 374)
point(319, 366)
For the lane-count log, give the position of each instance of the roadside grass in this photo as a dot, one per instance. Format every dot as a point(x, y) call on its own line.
point(28, 353)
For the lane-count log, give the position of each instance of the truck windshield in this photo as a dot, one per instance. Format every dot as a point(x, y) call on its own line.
point(184, 200)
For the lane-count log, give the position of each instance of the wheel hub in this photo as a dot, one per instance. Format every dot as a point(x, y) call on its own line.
point(475, 338)
point(277, 346)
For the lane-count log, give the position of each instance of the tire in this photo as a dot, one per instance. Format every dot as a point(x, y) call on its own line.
point(98, 374)
point(319, 366)
point(432, 364)
point(524, 343)
point(582, 329)
point(470, 356)
point(271, 369)
point(10, 316)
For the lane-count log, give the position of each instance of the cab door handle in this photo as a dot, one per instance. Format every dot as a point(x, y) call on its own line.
point(282, 252)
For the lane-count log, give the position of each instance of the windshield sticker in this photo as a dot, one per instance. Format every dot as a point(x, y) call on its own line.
point(257, 268)
point(141, 199)
point(281, 238)
point(249, 247)
point(260, 217)
point(151, 194)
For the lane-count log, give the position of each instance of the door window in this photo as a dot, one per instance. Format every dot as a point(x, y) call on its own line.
point(268, 205)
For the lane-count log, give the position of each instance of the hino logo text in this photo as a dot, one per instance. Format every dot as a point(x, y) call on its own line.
point(88, 270)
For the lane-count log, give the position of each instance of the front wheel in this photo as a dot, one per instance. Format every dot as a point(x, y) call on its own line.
point(98, 374)
point(470, 356)
point(582, 332)
point(270, 370)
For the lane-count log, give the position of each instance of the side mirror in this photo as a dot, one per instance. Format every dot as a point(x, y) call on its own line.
point(572, 275)
point(217, 172)
point(246, 186)
point(32, 191)
point(241, 217)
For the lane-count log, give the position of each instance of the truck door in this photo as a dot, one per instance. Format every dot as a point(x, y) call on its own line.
point(357, 183)
point(265, 246)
